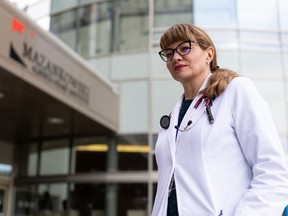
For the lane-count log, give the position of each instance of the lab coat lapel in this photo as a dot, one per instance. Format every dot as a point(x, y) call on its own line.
point(172, 130)
point(197, 113)
point(174, 119)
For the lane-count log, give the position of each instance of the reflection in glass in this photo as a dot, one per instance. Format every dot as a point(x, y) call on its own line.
point(167, 13)
point(133, 152)
point(94, 29)
point(63, 4)
point(25, 203)
point(85, 1)
point(51, 199)
point(54, 157)
point(48, 199)
point(251, 15)
point(89, 155)
point(6, 158)
point(109, 199)
point(91, 33)
point(64, 26)
point(5, 169)
point(283, 13)
point(88, 199)
point(214, 13)
point(130, 25)
point(27, 159)
point(110, 154)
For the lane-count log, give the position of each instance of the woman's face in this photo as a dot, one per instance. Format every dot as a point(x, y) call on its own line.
point(185, 68)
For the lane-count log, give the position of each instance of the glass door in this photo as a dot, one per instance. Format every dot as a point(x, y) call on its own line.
point(3, 200)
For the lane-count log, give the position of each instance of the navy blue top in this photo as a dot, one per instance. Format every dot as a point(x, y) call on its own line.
point(172, 209)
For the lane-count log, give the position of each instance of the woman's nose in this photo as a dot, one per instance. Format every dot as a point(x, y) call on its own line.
point(177, 56)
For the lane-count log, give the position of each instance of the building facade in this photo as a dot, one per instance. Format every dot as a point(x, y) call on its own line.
point(116, 174)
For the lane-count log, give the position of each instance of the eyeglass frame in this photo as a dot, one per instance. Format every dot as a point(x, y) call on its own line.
point(175, 50)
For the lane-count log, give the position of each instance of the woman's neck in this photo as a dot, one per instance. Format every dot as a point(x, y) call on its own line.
point(191, 89)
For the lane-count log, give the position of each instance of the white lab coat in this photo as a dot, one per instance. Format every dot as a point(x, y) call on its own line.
point(236, 165)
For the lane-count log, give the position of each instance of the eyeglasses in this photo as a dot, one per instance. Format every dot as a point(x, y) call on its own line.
point(182, 49)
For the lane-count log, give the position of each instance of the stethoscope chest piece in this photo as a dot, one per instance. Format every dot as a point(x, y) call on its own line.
point(165, 121)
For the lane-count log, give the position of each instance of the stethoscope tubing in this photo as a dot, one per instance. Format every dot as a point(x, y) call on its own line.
point(165, 120)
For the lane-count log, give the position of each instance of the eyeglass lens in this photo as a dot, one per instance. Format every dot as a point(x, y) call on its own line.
point(182, 49)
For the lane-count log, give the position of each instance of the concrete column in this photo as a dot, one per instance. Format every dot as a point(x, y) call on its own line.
point(111, 188)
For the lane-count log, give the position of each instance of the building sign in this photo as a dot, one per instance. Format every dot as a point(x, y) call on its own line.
point(38, 58)
point(55, 74)
point(41, 66)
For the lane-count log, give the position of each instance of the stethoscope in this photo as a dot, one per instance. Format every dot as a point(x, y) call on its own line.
point(165, 120)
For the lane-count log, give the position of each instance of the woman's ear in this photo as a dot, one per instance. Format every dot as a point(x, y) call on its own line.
point(210, 53)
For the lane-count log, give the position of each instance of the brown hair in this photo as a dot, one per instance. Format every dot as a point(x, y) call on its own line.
point(181, 32)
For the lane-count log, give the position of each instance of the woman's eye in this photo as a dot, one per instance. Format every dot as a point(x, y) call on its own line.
point(184, 49)
point(168, 54)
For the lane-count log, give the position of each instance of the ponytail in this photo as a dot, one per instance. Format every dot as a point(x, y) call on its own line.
point(218, 82)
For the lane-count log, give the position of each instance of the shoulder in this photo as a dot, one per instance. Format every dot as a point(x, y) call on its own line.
point(241, 81)
point(243, 86)
point(242, 89)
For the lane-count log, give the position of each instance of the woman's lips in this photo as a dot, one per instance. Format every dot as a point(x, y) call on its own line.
point(179, 67)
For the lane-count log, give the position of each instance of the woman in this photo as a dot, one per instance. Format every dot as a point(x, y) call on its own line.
point(225, 156)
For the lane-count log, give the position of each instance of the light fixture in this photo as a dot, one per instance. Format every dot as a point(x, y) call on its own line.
point(55, 120)
point(120, 148)
point(93, 147)
point(2, 95)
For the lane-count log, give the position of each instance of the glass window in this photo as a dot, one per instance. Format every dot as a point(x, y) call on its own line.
point(94, 29)
point(284, 39)
point(134, 107)
point(133, 152)
point(52, 199)
point(120, 71)
point(54, 157)
point(283, 13)
point(257, 14)
point(285, 64)
point(109, 154)
point(62, 4)
point(167, 13)
point(165, 94)
point(85, 1)
point(27, 159)
point(261, 63)
point(273, 91)
point(214, 13)
point(130, 25)
point(6, 158)
point(89, 155)
point(259, 39)
point(224, 38)
point(89, 199)
point(25, 203)
point(229, 59)
point(69, 38)
point(109, 199)
point(64, 26)
point(133, 199)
